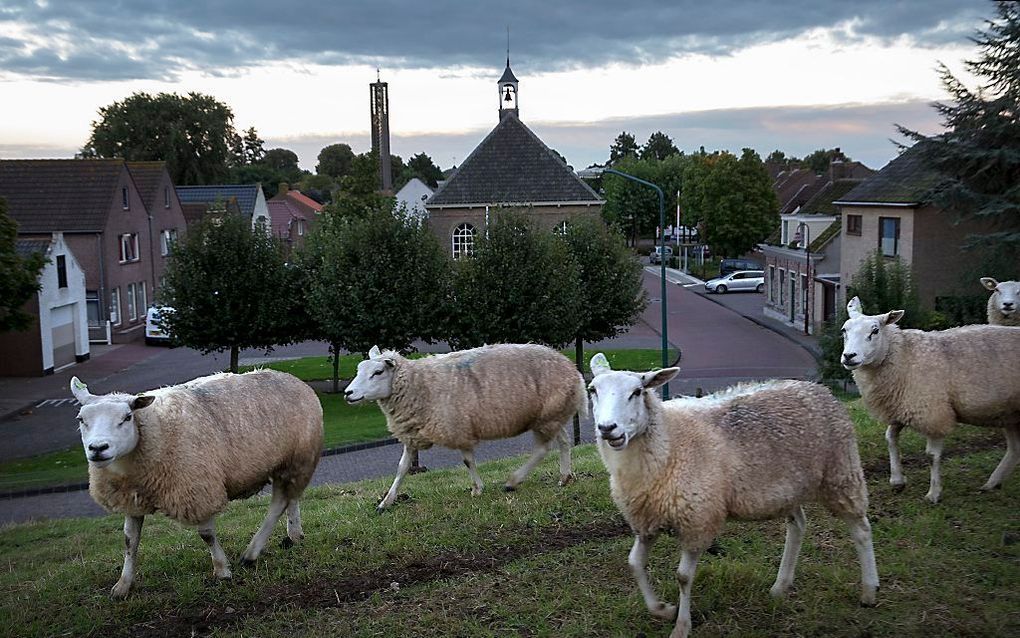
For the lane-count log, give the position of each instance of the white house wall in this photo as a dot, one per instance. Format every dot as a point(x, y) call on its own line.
point(61, 301)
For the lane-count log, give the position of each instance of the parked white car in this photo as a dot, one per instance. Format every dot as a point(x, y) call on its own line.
point(154, 333)
point(745, 280)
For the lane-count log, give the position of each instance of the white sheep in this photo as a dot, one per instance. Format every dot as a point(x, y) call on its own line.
point(751, 452)
point(459, 399)
point(929, 381)
point(187, 450)
point(1004, 302)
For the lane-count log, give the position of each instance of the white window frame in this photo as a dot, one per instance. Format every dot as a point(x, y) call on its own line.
point(115, 317)
point(167, 239)
point(125, 247)
point(782, 284)
point(124, 199)
point(131, 310)
point(166, 197)
point(561, 228)
point(772, 283)
point(141, 302)
point(463, 241)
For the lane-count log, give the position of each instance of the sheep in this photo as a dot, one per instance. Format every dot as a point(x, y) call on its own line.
point(751, 452)
point(458, 399)
point(1004, 302)
point(929, 381)
point(187, 450)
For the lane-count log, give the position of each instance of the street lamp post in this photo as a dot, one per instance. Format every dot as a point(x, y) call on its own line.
point(806, 238)
point(662, 262)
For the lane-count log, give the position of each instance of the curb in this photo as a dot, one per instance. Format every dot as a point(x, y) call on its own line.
point(816, 355)
point(83, 486)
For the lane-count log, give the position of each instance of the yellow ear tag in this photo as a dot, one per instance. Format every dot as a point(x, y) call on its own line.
point(79, 385)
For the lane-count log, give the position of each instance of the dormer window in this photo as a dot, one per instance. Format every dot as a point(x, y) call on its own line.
point(166, 197)
point(124, 198)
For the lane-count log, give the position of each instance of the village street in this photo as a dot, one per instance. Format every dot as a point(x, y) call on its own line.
point(718, 347)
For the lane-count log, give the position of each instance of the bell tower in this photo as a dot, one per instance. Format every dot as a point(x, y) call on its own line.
point(508, 87)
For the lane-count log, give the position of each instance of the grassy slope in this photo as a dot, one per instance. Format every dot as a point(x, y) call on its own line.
point(343, 424)
point(540, 561)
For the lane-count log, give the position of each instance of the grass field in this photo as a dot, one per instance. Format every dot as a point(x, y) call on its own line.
point(541, 561)
point(343, 424)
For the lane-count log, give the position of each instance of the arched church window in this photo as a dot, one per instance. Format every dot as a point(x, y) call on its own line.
point(463, 241)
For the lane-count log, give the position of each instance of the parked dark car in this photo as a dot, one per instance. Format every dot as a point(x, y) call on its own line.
point(726, 266)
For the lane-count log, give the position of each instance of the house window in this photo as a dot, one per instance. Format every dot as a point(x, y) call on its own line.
point(463, 241)
point(115, 307)
point(92, 307)
point(772, 284)
point(889, 236)
point(804, 295)
point(561, 228)
point(782, 284)
point(61, 271)
point(140, 299)
point(784, 236)
point(300, 227)
point(853, 225)
point(124, 198)
point(167, 239)
point(128, 248)
point(166, 197)
point(132, 315)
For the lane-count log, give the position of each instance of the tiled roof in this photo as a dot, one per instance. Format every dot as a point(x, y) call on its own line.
point(59, 195)
point(281, 214)
point(831, 232)
point(245, 194)
point(512, 166)
point(303, 202)
point(794, 188)
point(905, 180)
point(147, 176)
point(821, 203)
point(27, 247)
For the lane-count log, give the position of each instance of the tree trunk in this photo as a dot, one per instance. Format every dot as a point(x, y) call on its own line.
point(578, 359)
point(234, 350)
point(336, 367)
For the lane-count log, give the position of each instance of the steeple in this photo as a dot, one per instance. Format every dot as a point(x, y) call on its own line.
point(507, 86)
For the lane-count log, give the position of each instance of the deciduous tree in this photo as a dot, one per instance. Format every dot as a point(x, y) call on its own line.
point(659, 146)
point(19, 276)
point(623, 146)
point(335, 161)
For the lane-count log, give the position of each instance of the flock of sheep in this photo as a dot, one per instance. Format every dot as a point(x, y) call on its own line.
point(758, 451)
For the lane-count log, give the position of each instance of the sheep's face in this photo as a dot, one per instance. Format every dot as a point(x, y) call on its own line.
point(866, 337)
point(107, 424)
point(374, 379)
point(1005, 295)
point(619, 406)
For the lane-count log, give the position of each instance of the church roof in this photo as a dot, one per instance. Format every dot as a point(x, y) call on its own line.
point(508, 75)
point(512, 166)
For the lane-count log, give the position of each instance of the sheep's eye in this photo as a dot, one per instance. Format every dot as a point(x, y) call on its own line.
point(874, 331)
point(635, 393)
point(376, 373)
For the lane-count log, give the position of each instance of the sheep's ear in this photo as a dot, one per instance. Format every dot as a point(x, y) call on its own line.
point(659, 377)
point(599, 364)
point(374, 353)
point(142, 402)
point(390, 363)
point(892, 317)
point(989, 283)
point(853, 307)
point(80, 391)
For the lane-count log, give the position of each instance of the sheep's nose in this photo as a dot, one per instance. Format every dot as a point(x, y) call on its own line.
point(348, 393)
point(99, 448)
point(1008, 305)
point(606, 428)
point(849, 356)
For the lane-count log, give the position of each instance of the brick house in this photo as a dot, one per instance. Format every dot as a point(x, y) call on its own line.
point(168, 222)
point(105, 223)
point(289, 223)
point(58, 334)
point(248, 198)
point(886, 212)
point(510, 168)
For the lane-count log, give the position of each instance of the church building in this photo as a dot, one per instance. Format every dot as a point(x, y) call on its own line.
point(510, 168)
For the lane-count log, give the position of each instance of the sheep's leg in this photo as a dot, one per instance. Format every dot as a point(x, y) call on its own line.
point(221, 566)
point(934, 449)
point(638, 559)
point(685, 578)
point(276, 507)
point(294, 531)
point(402, 468)
point(796, 523)
point(564, 440)
point(892, 438)
point(469, 462)
point(540, 452)
point(860, 532)
point(1008, 462)
point(132, 536)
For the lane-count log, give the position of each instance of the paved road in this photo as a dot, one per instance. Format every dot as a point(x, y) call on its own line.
point(720, 347)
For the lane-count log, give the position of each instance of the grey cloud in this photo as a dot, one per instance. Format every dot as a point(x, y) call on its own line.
point(444, 33)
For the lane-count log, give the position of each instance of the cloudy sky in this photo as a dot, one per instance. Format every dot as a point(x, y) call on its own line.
point(795, 75)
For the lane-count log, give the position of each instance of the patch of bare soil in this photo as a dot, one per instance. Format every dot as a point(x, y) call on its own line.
point(326, 593)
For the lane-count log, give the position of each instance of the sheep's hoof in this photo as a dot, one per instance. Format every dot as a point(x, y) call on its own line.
point(566, 480)
point(247, 562)
point(381, 509)
point(778, 591)
point(509, 488)
point(989, 488)
point(476, 491)
point(868, 599)
point(224, 575)
point(932, 498)
point(664, 611)
point(898, 487)
point(287, 542)
point(120, 590)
